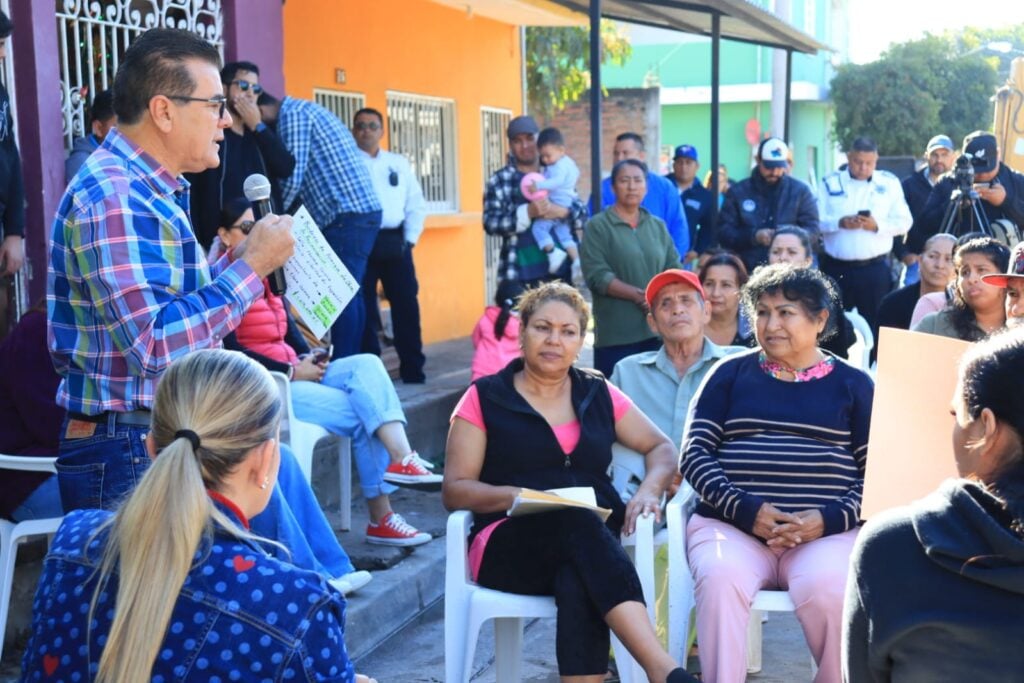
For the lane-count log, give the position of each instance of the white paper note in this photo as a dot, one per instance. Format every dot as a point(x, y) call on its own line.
point(319, 284)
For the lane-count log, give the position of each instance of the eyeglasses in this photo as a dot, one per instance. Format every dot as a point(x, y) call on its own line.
point(217, 100)
point(245, 85)
point(366, 125)
point(245, 226)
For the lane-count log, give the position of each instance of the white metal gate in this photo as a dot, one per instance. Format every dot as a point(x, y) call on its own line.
point(94, 34)
point(494, 142)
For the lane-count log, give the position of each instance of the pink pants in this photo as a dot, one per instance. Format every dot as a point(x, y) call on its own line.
point(730, 566)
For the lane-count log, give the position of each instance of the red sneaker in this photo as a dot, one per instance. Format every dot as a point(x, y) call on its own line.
point(412, 470)
point(393, 530)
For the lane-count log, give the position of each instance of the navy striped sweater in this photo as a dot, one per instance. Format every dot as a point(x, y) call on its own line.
point(797, 445)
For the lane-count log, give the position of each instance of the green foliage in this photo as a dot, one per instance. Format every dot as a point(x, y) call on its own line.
point(558, 63)
point(938, 84)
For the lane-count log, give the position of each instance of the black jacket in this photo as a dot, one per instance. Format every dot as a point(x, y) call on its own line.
point(936, 592)
point(930, 220)
point(696, 201)
point(916, 190)
point(12, 188)
point(753, 204)
point(215, 186)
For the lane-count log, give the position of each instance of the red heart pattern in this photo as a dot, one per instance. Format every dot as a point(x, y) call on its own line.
point(50, 663)
point(242, 564)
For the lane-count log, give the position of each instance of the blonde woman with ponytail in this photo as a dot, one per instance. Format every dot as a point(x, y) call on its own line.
point(173, 585)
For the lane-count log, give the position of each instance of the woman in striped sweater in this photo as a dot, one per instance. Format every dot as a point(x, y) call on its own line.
point(776, 448)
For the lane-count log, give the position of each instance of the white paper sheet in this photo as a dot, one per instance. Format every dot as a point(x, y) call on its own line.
point(319, 284)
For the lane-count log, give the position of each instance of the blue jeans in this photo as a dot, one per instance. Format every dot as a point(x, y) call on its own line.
point(354, 399)
point(42, 503)
point(99, 470)
point(351, 236)
point(293, 518)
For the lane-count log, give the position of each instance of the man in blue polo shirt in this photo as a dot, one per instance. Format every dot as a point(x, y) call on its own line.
point(662, 199)
point(696, 201)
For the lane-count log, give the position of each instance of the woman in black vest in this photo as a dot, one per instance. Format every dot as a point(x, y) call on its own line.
point(541, 423)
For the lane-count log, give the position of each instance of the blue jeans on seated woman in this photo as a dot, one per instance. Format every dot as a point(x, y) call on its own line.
point(42, 503)
point(354, 399)
point(294, 519)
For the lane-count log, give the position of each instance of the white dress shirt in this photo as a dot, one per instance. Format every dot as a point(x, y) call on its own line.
point(400, 203)
point(840, 195)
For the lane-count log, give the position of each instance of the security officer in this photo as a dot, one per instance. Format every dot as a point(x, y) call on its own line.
point(390, 262)
point(862, 209)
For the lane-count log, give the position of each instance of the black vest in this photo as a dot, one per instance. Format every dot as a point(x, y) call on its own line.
point(522, 449)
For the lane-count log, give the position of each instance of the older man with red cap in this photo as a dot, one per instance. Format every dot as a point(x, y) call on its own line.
point(661, 383)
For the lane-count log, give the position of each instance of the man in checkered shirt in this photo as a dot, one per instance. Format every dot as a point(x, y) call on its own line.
point(509, 214)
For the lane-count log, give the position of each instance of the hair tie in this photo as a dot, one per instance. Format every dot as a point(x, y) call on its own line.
point(190, 435)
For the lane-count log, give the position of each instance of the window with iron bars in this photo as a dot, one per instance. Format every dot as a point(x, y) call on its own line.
point(494, 143)
point(423, 130)
point(344, 105)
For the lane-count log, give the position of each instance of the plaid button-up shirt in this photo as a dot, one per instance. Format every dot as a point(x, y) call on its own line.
point(502, 197)
point(329, 177)
point(128, 289)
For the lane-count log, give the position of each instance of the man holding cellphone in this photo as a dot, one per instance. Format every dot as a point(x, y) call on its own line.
point(1000, 190)
point(862, 209)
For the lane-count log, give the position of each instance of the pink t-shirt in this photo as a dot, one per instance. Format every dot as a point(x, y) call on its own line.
point(568, 435)
point(492, 355)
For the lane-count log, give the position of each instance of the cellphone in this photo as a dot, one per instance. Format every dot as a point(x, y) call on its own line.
point(864, 212)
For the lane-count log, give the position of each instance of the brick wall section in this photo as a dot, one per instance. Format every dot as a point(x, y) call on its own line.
point(623, 109)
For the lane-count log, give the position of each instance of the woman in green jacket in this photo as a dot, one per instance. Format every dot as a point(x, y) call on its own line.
point(623, 247)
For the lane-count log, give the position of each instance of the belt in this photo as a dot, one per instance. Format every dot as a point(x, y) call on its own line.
point(862, 262)
point(138, 418)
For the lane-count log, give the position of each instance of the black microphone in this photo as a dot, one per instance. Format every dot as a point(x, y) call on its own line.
point(257, 190)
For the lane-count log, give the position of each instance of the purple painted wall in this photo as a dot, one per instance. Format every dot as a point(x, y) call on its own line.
point(37, 79)
point(254, 32)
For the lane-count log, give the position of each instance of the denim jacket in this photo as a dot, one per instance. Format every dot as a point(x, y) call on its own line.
point(241, 615)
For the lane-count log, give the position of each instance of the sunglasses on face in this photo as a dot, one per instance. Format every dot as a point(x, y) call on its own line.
point(367, 125)
point(245, 85)
point(245, 226)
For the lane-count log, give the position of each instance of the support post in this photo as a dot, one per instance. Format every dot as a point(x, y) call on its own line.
point(789, 95)
point(716, 45)
point(595, 103)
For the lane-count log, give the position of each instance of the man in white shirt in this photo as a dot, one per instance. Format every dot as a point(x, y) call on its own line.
point(403, 210)
point(861, 210)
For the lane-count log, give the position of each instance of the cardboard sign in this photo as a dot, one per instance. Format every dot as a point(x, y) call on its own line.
point(910, 448)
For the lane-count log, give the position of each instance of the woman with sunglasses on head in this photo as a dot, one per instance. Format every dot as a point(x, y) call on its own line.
point(350, 396)
point(174, 585)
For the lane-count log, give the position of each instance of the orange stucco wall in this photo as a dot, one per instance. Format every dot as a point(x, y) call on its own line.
point(422, 48)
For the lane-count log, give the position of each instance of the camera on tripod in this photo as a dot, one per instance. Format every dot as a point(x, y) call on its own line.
point(963, 176)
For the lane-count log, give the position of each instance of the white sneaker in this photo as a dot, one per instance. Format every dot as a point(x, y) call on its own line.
point(351, 582)
point(556, 257)
point(577, 274)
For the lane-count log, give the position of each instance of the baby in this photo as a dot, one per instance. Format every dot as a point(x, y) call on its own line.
point(560, 176)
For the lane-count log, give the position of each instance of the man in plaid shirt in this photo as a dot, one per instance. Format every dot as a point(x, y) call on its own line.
point(128, 288)
point(331, 180)
point(508, 213)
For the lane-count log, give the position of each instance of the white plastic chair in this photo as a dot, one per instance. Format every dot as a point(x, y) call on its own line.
point(467, 606)
point(867, 338)
point(13, 533)
point(303, 438)
point(681, 587)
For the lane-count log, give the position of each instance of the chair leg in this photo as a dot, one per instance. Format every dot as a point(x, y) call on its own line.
point(9, 552)
point(508, 649)
point(754, 642)
point(345, 485)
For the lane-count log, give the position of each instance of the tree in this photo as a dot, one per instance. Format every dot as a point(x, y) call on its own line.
point(558, 63)
point(914, 91)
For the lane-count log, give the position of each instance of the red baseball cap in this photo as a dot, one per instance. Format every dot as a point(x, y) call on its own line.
point(668, 277)
point(1015, 271)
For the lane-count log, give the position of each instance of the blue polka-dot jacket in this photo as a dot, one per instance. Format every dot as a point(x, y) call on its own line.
point(241, 615)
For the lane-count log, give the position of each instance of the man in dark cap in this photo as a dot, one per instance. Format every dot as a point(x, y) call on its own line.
point(1000, 191)
point(509, 214)
point(696, 201)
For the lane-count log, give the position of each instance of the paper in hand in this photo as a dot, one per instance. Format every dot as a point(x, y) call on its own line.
point(319, 284)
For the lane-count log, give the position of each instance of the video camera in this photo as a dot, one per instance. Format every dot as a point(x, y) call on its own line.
point(963, 176)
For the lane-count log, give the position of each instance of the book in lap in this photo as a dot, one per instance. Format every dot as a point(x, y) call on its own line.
point(530, 501)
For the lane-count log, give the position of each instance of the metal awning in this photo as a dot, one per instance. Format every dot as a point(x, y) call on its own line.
point(741, 20)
